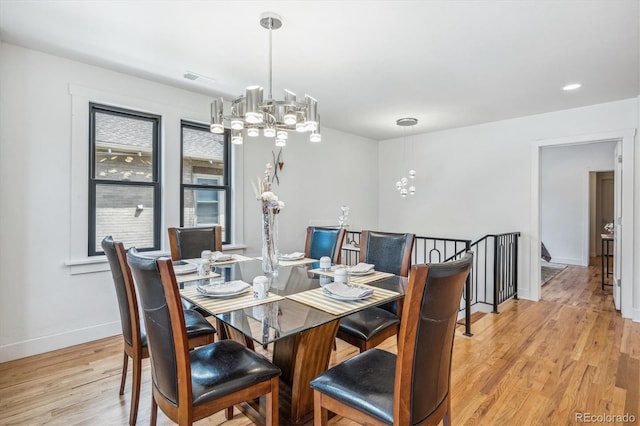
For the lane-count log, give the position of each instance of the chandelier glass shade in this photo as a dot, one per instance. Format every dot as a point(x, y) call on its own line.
point(252, 112)
point(406, 186)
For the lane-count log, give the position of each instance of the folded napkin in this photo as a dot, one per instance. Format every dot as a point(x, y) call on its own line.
point(230, 287)
point(292, 256)
point(361, 268)
point(181, 268)
point(346, 291)
point(218, 256)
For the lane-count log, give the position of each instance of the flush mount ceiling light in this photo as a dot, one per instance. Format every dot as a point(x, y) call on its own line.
point(572, 86)
point(405, 122)
point(402, 184)
point(251, 112)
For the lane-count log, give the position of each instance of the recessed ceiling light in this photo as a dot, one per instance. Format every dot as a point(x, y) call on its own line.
point(572, 86)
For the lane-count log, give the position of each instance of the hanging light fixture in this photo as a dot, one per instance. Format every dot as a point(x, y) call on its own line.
point(251, 112)
point(405, 186)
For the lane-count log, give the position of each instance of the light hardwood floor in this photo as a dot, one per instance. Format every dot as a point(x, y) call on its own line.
point(532, 364)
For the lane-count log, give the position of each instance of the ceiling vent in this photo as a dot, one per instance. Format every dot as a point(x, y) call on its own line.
point(190, 76)
point(193, 76)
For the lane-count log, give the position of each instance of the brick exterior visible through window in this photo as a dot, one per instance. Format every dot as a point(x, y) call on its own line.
point(205, 182)
point(124, 189)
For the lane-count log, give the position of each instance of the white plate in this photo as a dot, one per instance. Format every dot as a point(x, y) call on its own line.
point(298, 257)
point(225, 295)
point(361, 273)
point(337, 297)
point(187, 268)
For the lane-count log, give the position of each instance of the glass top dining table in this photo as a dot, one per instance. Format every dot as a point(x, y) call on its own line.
point(271, 321)
point(296, 317)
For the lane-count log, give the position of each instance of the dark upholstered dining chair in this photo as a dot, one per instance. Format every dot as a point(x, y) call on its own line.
point(188, 243)
point(199, 330)
point(389, 253)
point(324, 242)
point(413, 388)
point(189, 386)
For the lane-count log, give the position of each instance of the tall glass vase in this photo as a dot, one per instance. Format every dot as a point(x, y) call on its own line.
point(270, 253)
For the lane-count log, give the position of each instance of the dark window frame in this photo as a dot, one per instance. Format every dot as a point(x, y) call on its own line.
point(94, 182)
point(226, 177)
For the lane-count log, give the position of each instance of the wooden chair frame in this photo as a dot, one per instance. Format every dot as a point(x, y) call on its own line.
point(173, 240)
point(136, 351)
point(402, 398)
point(337, 252)
point(406, 255)
point(364, 345)
point(185, 413)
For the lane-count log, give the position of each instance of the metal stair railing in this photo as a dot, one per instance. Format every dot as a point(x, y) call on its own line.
point(494, 274)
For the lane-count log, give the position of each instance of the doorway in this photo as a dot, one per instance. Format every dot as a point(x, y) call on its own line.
point(601, 208)
point(624, 201)
point(565, 196)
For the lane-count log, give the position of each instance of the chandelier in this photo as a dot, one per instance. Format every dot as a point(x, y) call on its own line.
point(401, 185)
point(251, 113)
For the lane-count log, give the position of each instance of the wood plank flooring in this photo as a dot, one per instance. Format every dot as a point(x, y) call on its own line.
point(533, 364)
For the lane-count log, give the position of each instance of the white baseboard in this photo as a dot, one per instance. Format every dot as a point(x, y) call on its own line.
point(44, 344)
point(568, 261)
point(481, 307)
point(525, 294)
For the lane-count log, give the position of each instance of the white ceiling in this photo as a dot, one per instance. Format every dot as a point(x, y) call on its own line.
point(448, 63)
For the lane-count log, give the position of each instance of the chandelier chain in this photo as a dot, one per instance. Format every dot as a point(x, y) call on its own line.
point(270, 62)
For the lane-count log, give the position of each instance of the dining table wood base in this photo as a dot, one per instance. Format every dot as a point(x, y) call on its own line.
point(302, 358)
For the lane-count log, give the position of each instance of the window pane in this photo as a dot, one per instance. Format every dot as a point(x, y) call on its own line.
point(123, 148)
point(117, 214)
point(206, 213)
point(206, 196)
point(203, 207)
point(202, 156)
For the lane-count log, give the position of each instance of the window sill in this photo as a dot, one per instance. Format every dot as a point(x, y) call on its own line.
point(100, 264)
point(233, 247)
point(87, 266)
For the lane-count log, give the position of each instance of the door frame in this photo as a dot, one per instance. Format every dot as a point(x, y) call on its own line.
point(595, 228)
point(626, 137)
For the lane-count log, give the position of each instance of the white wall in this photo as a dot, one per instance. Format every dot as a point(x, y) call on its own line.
point(471, 181)
point(315, 181)
point(476, 180)
point(51, 295)
point(564, 187)
point(636, 236)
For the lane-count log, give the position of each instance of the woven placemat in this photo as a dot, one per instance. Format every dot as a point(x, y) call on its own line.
point(192, 277)
point(357, 279)
point(317, 299)
point(218, 306)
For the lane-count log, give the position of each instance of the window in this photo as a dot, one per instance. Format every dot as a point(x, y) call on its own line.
point(206, 192)
point(124, 176)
